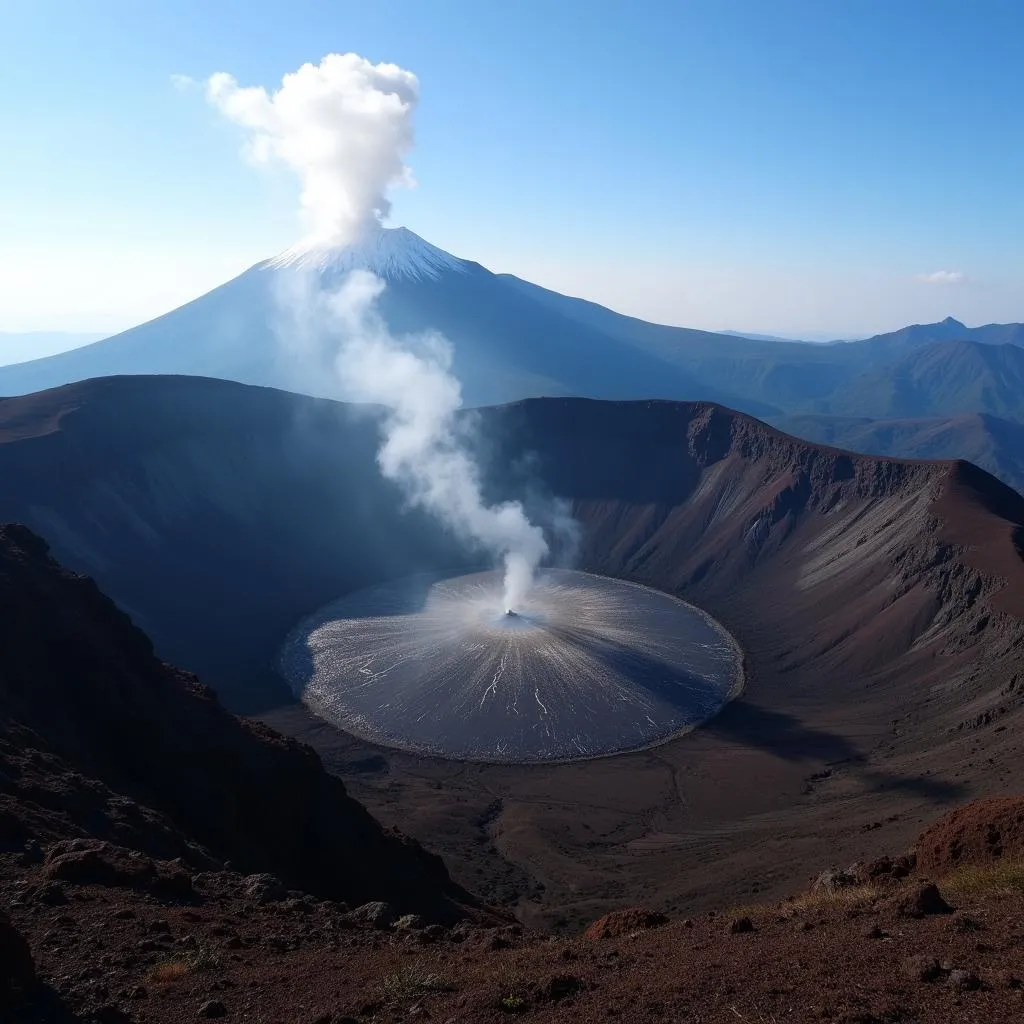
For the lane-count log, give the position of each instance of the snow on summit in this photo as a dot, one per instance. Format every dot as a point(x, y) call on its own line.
point(391, 253)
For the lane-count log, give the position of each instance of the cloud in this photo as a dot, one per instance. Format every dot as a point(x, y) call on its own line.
point(344, 126)
point(184, 83)
point(942, 277)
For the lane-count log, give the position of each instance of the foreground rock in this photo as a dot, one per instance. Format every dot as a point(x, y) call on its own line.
point(625, 922)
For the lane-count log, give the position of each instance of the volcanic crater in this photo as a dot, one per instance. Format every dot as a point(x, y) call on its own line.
point(586, 666)
point(879, 605)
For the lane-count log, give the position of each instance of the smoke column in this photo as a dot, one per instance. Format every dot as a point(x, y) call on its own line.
point(344, 127)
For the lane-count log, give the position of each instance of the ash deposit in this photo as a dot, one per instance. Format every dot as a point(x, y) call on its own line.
point(586, 666)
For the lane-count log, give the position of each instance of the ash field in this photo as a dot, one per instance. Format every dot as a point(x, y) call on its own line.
point(587, 666)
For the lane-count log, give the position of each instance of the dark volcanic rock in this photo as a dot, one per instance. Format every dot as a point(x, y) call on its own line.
point(965, 980)
point(740, 926)
point(80, 686)
point(923, 898)
point(624, 922)
point(832, 880)
point(920, 968)
point(264, 888)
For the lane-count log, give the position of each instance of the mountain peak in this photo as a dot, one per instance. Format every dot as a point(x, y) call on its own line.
point(953, 324)
point(390, 253)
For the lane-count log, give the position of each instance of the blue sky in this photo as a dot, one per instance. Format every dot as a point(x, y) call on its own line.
point(794, 166)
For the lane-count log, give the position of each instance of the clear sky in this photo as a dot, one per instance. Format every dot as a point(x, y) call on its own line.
point(810, 167)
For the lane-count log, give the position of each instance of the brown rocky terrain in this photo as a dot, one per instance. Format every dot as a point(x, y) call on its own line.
point(878, 603)
point(863, 947)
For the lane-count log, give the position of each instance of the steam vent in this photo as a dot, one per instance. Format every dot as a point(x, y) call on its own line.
point(588, 666)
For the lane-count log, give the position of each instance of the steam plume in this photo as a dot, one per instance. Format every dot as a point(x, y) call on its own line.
point(344, 126)
point(422, 448)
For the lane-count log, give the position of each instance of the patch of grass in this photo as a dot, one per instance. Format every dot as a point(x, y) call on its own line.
point(973, 880)
point(204, 958)
point(410, 982)
point(511, 1003)
point(847, 897)
point(170, 972)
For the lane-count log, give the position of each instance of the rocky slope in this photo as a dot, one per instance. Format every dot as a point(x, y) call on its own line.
point(874, 943)
point(99, 740)
point(994, 444)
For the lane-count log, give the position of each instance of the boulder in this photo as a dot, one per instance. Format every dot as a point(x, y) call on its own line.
point(264, 888)
point(376, 914)
point(625, 922)
point(833, 880)
point(922, 898)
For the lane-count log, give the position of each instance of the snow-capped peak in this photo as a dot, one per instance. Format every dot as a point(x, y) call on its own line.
point(390, 253)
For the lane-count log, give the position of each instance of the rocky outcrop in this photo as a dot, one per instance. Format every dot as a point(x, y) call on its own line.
point(980, 833)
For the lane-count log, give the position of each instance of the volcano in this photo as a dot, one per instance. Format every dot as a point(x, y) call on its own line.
point(507, 344)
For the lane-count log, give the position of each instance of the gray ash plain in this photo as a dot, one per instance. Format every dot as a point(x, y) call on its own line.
point(588, 666)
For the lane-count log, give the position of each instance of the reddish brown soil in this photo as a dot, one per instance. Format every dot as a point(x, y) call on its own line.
point(980, 833)
point(115, 955)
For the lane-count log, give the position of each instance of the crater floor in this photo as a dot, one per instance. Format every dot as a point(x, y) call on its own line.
point(588, 666)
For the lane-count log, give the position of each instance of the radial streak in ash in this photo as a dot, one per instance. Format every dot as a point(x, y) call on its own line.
point(588, 666)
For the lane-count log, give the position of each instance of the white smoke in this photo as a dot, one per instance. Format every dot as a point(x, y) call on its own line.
point(344, 126)
point(422, 449)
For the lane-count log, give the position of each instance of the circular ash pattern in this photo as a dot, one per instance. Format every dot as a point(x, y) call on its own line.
point(588, 666)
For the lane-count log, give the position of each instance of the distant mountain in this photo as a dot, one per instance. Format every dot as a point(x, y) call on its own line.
point(19, 346)
point(515, 340)
point(949, 378)
point(507, 345)
point(948, 330)
point(754, 336)
point(995, 444)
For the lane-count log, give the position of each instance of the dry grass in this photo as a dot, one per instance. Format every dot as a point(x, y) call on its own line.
point(170, 972)
point(847, 897)
point(201, 959)
point(410, 982)
point(972, 879)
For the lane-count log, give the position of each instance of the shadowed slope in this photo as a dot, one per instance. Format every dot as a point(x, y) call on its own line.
point(80, 683)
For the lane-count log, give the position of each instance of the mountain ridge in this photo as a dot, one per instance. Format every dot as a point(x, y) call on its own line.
point(512, 340)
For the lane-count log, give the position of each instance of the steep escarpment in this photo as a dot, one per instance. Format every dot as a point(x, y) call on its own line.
point(98, 739)
point(215, 514)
